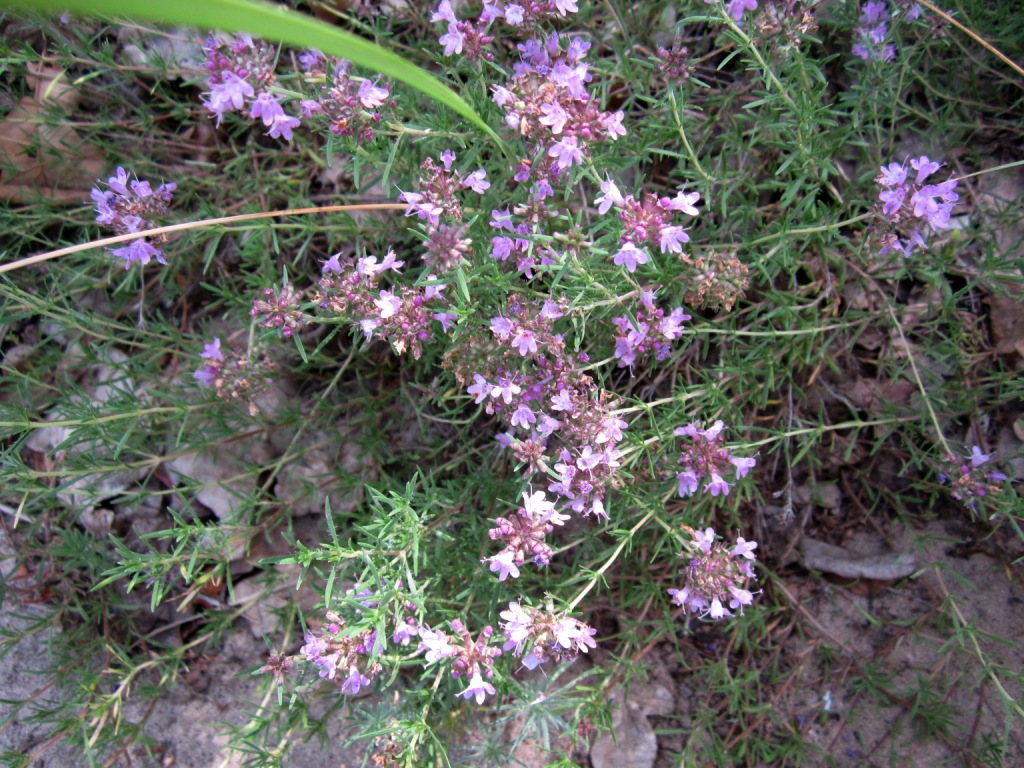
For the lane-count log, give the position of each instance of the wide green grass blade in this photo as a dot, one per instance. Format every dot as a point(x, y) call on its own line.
point(269, 22)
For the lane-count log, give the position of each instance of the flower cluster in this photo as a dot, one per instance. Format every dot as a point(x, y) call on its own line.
point(715, 576)
point(968, 482)
point(435, 200)
point(472, 658)
point(401, 315)
point(544, 635)
point(706, 458)
point(652, 332)
point(523, 535)
point(648, 222)
point(871, 35)
point(348, 659)
point(674, 63)
point(131, 205)
point(465, 37)
point(903, 202)
point(346, 105)
point(233, 376)
point(547, 103)
point(279, 308)
point(559, 418)
point(714, 279)
point(735, 8)
point(241, 74)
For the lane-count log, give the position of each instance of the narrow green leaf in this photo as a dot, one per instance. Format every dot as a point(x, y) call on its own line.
point(270, 22)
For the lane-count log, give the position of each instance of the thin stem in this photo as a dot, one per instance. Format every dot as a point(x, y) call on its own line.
point(608, 563)
point(30, 260)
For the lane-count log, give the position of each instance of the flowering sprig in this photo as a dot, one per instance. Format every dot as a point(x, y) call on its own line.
point(437, 186)
point(240, 75)
point(705, 457)
point(348, 659)
point(547, 103)
point(279, 308)
point(344, 104)
point(903, 202)
point(715, 577)
point(968, 482)
point(234, 376)
point(472, 658)
point(463, 36)
point(538, 636)
point(647, 222)
point(524, 535)
point(558, 418)
point(402, 315)
point(131, 205)
point(871, 35)
point(651, 334)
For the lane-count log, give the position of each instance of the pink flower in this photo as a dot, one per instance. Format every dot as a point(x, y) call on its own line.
point(611, 196)
point(566, 152)
point(477, 181)
point(371, 95)
point(504, 564)
point(630, 256)
point(478, 687)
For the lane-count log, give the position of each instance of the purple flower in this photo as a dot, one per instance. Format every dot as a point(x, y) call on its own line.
point(717, 485)
point(743, 466)
point(444, 12)
point(736, 8)
point(388, 304)
point(354, 682)
point(502, 219)
point(526, 342)
point(445, 319)
point(502, 327)
point(505, 389)
point(630, 256)
point(566, 6)
point(478, 687)
point(212, 351)
point(743, 548)
point(282, 126)
point(892, 175)
point(977, 458)
point(504, 564)
point(477, 181)
point(523, 416)
point(480, 388)
point(452, 40)
point(554, 117)
point(612, 124)
point(138, 250)
point(688, 483)
point(566, 152)
point(372, 95)
point(562, 401)
point(671, 238)
point(207, 375)
point(436, 643)
point(514, 15)
point(267, 108)
point(228, 95)
point(611, 196)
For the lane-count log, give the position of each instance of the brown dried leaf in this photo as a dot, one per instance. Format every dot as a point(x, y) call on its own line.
point(48, 159)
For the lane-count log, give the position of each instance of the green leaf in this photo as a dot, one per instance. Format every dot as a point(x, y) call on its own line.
point(270, 22)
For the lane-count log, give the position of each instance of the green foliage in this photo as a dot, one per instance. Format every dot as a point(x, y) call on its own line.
point(851, 374)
